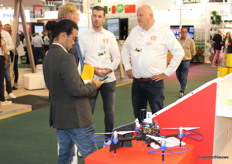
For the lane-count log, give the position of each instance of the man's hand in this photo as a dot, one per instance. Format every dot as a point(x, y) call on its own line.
point(159, 77)
point(101, 71)
point(129, 73)
point(98, 82)
point(5, 64)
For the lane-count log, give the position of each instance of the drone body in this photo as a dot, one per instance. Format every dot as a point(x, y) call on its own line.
point(149, 132)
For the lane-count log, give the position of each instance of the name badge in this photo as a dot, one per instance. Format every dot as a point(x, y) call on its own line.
point(102, 47)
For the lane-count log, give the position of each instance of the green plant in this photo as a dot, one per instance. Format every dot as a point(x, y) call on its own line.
point(214, 13)
point(218, 20)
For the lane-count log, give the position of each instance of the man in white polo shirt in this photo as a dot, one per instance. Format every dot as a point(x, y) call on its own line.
point(100, 49)
point(144, 55)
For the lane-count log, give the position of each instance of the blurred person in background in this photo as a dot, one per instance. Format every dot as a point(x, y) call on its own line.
point(46, 41)
point(3, 64)
point(217, 45)
point(189, 50)
point(38, 51)
point(7, 27)
point(10, 49)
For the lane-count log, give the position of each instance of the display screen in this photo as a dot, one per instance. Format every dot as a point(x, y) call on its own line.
point(38, 29)
point(113, 25)
point(176, 31)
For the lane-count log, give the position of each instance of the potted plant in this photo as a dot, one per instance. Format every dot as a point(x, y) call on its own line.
point(218, 20)
point(215, 19)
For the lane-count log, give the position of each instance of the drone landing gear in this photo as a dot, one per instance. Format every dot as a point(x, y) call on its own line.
point(171, 150)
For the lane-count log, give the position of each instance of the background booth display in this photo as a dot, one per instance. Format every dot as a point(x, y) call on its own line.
point(118, 26)
point(176, 31)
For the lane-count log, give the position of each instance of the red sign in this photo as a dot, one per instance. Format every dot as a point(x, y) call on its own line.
point(130, 8)
point(38, 11)
point(113, 9)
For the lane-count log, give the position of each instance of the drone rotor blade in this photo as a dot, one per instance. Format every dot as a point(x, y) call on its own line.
point(190, 128)
point(117, 132)
point(125, 132)
point(155, 138)
point(104, 133)
point(184, 128)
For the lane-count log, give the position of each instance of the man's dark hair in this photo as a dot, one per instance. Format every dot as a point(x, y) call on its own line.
point(183, 28)
point(99, 8)
point(64, 25)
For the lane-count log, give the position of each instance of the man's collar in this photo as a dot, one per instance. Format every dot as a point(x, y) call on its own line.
point(92, 30)
point(58, 44)
point(154, 26)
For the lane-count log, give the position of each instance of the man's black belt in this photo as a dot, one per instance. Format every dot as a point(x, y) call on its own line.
point(143, 79)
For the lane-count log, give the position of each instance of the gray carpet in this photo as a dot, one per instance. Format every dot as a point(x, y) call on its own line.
point(37, 102)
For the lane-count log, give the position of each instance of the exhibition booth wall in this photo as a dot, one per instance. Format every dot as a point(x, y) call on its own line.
point(210, 108)
point(197, 109)
point(223, 120)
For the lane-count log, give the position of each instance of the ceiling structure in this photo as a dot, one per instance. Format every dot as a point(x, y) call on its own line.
point(10, 3)
point(26, 3)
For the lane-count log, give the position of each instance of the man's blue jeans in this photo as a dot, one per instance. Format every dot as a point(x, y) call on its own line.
point(108, 97)
point(38, 53)
point(2, 74)
point(147, 91)
point(82, 137)
point(182, 74)
point(8, 77)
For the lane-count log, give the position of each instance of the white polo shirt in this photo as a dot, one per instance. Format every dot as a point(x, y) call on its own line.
point(145, 52)
point(1, 51)
point(100, 49)
point(9, 43)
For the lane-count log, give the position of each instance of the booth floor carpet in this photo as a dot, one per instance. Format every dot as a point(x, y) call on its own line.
point(37, 102)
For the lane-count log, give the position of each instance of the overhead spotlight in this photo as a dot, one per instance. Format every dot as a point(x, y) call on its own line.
point(1, 5)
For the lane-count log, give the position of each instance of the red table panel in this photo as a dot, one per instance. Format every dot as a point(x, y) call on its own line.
point(138, 154)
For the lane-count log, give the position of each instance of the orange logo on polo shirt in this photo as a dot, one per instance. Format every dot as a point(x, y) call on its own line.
point(105, 41)
point(153, 37)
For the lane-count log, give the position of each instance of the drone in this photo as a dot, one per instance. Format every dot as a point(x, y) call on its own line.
point(149, 131)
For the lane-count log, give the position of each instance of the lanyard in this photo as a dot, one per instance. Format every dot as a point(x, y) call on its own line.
point(182, 44)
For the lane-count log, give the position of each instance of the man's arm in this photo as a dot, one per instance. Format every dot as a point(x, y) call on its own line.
point(177, 51)
point(114, 51)
point(72, 80)
point(125, 52)
point(4, 49)
point(193, 48)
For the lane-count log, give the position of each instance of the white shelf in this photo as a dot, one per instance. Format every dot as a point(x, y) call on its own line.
point(225, 110)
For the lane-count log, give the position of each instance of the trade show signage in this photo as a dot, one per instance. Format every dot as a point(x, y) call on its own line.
point(126, 8)
point(120, 8)
point(7, 15)
point(38, 10)
point(130, 8)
